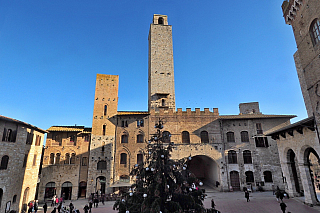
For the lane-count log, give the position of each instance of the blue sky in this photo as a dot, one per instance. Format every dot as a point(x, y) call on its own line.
point(225, 53)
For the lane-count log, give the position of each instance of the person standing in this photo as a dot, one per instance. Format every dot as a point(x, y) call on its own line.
point(213, 205)
point(283, 207)
point(35, 206)
point(45, 208)
point(90, 206)
point(102, 199)
point(246, 195)
point(71, 206)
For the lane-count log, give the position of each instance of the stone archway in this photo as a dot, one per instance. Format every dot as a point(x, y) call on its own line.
point(311, 161)
point(205, 169)
point(101, 185)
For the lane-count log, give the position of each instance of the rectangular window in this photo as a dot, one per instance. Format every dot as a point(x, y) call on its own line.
point(139, 158)
point(104, 130)
point(86, 138)
point(38, 140)
point(259, 129)
point(84, 161)
point(34, 160)
point(261, 141)
point(29, 138)
point(25, 160)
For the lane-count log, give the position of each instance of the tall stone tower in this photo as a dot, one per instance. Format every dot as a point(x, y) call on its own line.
point(304, 17)
point(161, 75)
point(103, 134)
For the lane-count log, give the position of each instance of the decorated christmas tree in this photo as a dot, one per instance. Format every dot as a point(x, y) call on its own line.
point(162, 184)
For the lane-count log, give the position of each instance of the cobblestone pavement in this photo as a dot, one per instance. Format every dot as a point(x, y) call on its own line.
point(226, 202)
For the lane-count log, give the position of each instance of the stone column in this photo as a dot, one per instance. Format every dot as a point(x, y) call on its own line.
point(289, 179)
point(309, 193)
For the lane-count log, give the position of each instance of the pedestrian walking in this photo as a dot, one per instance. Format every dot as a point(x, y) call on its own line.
point(90, 206)
point(53, 200)
point(86, 208)
point(57, 200)
point(35, 206)
point(246, 195)
point(96, 202)
point(45, 208)
point(213, 205)
point(281, 196)
point(59, 207)
point(71, 206)
point(283, 207)
point(102, 199)
point(54, 210)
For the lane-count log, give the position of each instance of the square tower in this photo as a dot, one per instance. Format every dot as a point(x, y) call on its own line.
point(103, 134)
point(161, 75)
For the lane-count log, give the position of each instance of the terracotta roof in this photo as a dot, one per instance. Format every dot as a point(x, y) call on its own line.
point(21, 122)
point(254, 116)
point(133, 113)
point(66, 129)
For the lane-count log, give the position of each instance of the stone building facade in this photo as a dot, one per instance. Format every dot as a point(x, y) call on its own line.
point(20, 156)
point(65, 163)
point(228, 152)
point(298, 143)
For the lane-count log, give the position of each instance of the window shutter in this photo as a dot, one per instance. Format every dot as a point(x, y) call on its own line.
point(14, 136)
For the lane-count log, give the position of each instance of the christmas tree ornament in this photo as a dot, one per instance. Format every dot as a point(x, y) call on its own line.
point(200, 183)
point(162, 156)
point(144, 195)
point(136, 165)
point(190, 189)
point(155, 138)
point(147, 169)
point(127, 212)
point(152, 169)
point(189, 158)
point(122, 200)
point(184, 168)
point(131, 194)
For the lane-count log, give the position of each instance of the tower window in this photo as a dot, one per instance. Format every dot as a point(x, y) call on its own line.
point(124, 138)
point(160, 20)
point(67, 159)
point(163, 102)
point(249, 177)
point(247, 159)
point(102, 165)
point(105, 110)
point(73, 158)
point(267, 177)
point(140, 138)
point(123, 158)
point(139, 158)
point(315, 32)
point(4, 162)
point(261, 141)
point(104, 129)
point(51, 161)
point(259, 128)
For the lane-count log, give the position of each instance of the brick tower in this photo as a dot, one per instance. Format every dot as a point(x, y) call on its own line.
point(161, 75)
point(103, 133)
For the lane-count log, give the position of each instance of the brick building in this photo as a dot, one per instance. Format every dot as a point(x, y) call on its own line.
point(299, 143)
point(231, 150)
point(20, 156)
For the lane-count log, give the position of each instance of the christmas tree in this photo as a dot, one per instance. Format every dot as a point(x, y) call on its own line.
point(162, 185)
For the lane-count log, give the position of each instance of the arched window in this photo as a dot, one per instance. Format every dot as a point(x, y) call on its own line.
point(140, 138)
point(58, 158)
point(204, 137)
point(160, 20)
point(247, 159)
point(9, 135)
point(185, 137)
point(51, 160)
point(232, 157)
point(67, 159)
point(4, 162)
point(124, 138)
point(249, 177)
point(244, 136)
point(267, 177)
point(105, 110)
point(315, 31)
point(73, 158)
point(166, 136)
point(50, 190)
point(230, 137)
point(139, 158)
point(123, 158)
point(102, 165)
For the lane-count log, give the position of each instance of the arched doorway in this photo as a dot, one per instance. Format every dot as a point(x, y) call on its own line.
point(25, 199)
point(294, 171)
point(66, 190)
point(311, 159)
point(205, 169)
point(82, 189)
point(234, 180)
point(101, 185)
point(50, 190)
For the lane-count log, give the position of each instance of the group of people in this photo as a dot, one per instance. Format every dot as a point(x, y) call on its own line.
point(95, 199)
point(62, 209)
point(33, 206)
